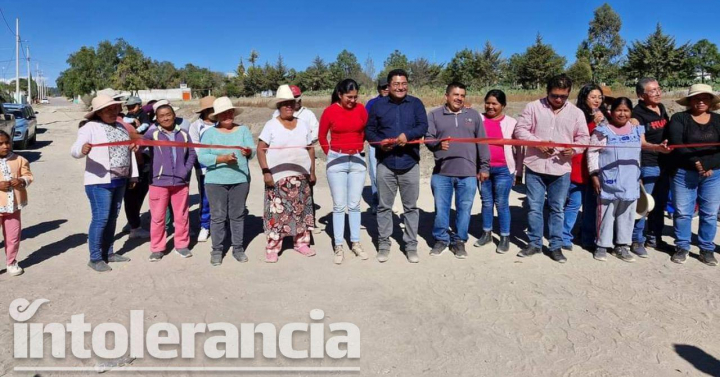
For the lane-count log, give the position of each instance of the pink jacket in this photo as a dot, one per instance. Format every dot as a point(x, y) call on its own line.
point(97, 164)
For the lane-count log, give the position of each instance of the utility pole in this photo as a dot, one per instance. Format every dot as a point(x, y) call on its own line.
point(17, 61)
point(37, 80)
point(29, 78)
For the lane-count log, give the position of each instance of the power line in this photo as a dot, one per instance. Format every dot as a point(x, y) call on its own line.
point(6, 23)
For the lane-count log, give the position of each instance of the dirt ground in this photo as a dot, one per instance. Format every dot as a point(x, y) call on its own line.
point(488, 315)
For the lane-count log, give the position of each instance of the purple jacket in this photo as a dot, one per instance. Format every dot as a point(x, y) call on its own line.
point(171, 166)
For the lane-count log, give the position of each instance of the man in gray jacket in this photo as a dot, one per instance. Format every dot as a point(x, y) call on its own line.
point(458, 167)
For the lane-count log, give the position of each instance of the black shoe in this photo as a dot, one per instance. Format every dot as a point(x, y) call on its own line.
point(458, 248)
point(567, 247)
point(99, 266)
point(216, 258)
point(438, 249)
point(114, 258)
point(239, 255)
point(708, 257)
point(680, 256)
point(639, 249)
point(504, 245)
point(155, 257)
point(600, 254)
point(529, 251)
point(623, 253)
point(557, 256)
point(485, 239)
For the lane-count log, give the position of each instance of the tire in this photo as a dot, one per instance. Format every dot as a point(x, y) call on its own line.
point(33, 140)
point(23, 144)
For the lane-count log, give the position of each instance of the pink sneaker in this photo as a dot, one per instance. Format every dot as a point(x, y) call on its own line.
point(271, 257)
point(305, 250)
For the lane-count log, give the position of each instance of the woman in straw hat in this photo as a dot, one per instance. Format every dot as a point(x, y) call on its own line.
point(227, 180)
point(197, 129)
point(288, 171)
point(696, 179)
point(345, 121)
point(107, 171)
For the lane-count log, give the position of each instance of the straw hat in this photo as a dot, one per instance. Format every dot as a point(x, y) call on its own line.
point(645, 204)
point(205, 103)
point(284, 94)
point(110, 92)
point(696, 89)
point(100, 102)
point(222, 105)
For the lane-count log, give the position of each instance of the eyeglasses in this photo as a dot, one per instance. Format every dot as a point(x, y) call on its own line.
point(654, 91)
point(399, 85)
point(558, 96)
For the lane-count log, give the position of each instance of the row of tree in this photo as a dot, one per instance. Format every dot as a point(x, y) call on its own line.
point(599, 58)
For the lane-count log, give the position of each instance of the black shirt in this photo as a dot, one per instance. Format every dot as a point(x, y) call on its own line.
point(141, 116)
point(683, 129)
point(655, 131)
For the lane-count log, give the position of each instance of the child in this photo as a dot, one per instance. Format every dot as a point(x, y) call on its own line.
point(615, 175)
point(15, 176)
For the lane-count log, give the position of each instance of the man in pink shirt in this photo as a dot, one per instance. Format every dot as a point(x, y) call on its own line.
point(547, 169)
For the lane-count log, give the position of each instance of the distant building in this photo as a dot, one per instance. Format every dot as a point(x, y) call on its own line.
point(700, 76)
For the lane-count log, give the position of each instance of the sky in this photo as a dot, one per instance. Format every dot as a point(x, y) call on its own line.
point(216, 34)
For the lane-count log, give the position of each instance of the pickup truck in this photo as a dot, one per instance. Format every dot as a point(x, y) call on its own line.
point(7, 121)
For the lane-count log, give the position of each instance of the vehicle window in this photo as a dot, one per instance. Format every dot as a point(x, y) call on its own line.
point(18, 114)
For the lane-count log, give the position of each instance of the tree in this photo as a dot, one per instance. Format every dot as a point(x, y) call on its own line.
point(658, 57)
point(82, 76)
point(705, 59)
point(487, 65)
point(133, 72)
point(396, 60)
point(254, 81)
point(163, 75)
point(253, 57)
point(603, 46)
point(538, 64)
point(580, 72)
point(461, 68)
point(315, 77)
point(345, 66)
point(369, 70)
point(424, 73)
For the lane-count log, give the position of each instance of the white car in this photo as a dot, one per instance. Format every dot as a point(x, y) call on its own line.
point(44, 100)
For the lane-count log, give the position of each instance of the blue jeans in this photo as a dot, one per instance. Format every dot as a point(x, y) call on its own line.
point(688, 188)
point(495, 192)
point(657, 184)
point(372, 171)
point(346, 177)
point(204, 204)
point(105, 203)
point(442, 188)
point(556, 188)
point(580, 196)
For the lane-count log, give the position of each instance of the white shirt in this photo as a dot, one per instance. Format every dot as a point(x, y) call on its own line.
point(291, 161)
point(309, 117)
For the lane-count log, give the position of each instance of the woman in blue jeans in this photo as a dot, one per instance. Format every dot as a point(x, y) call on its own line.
point(696, 179)
point(345, 120)
point(107, 171)
point(495, 191)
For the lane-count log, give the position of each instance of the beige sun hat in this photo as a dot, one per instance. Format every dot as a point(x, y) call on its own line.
point(100, 102)
point(110, 92)
point(205, 103)
point(164, 102)
point(696, 89)
point(284, 94)
point(645, 204)
point(222, 105)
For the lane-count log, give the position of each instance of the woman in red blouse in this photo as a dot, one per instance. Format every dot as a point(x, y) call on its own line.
point(345, 121)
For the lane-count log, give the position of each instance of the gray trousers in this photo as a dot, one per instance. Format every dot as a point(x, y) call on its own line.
point(388, 183)
point(227, 202)
point(616, 218)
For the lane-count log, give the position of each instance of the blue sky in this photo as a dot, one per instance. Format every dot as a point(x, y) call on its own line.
point(215, 34)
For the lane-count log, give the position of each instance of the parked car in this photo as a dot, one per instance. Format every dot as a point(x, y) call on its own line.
point(25, 124)
point(44, 100)
point(7, 121)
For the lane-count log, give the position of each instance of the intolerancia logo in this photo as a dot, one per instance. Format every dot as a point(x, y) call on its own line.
point(222, 340)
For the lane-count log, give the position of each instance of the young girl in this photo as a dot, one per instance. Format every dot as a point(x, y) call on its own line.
point(15, 177)
point(615, 175)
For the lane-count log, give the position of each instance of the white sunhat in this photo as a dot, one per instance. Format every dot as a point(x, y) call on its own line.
point(284, 94)
point(645, 204)
point(100, 102)
point(696, 89)
point(222, 105)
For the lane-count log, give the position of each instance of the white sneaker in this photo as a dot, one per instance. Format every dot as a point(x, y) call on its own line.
point(204, 235)
point(14, 269)
point(139, 233)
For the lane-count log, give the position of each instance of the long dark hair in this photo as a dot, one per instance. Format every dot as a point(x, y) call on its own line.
point(582, 101)
point(344, 87)
point(499, 96)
